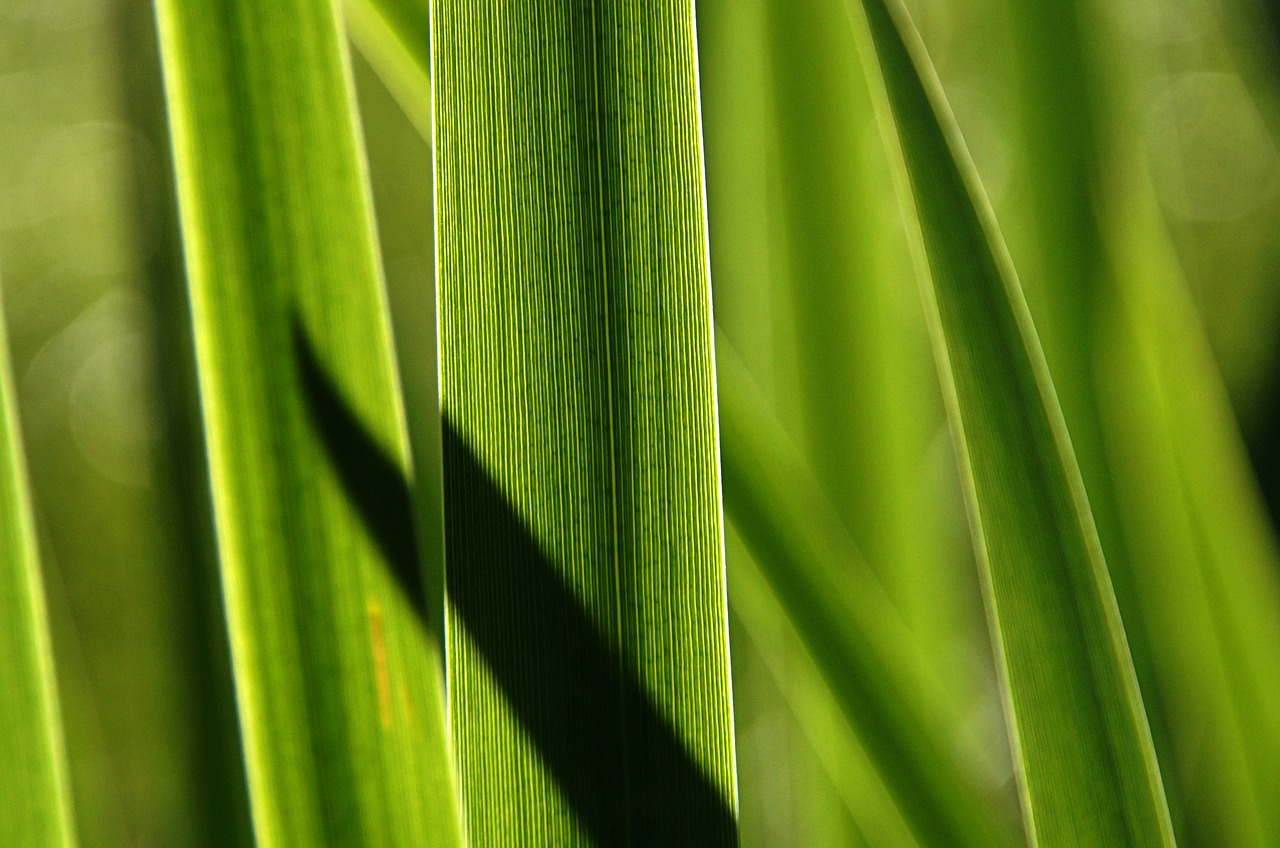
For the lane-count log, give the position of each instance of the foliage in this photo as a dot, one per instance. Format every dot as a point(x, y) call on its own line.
point(697, 545)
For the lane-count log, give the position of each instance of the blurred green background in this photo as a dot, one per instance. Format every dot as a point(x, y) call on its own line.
point(1169, 108)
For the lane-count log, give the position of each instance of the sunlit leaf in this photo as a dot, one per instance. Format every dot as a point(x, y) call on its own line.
point(589, 677)
point(337, 679)
point(36, 808)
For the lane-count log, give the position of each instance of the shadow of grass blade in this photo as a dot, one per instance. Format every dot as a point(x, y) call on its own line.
point(848, 625)
point(589, 676)
point(1087, 763)
point(337, 681)
point(36, 810)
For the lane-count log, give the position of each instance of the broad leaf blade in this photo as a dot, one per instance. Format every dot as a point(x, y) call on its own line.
point(337, 680)
point(949, 810)
point(587, 624)
point(36, 810)
point(1088, 767)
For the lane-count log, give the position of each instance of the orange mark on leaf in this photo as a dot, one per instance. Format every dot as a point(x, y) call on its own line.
point(382, 673)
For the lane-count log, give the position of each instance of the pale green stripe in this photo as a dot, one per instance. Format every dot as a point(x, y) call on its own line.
point(35, 810)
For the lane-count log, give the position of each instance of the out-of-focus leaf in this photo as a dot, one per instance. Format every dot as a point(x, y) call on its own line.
point(394, 35)
point(1087, 764)
point(765, 629)
point(867, 405)
point(1193, 558)
point(1205, 555)
point(848, 625)
point(36, 810)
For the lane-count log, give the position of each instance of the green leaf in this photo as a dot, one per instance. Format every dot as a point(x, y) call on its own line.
point(36, 811)
point(1189, 547)
point(1207, 583)
point(1088, 768)
point(203, 792)
point(969, 819)
point(589, 675)
point(844, 801)
point(337, 680)
point(868, 401)
point(847, 623)
point(394, 36)
point(867, 412)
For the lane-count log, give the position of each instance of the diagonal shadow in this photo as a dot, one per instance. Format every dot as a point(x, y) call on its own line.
point(616, 759)
point(375, 485)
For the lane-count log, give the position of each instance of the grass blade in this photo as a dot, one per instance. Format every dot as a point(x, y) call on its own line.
point(337, 680)
point(393, 36)
point(1088, 767)
point(588, 640)
point(37, 810)
point(847, 623)
point(1191, 554)
point(845, 803)
point(966, 813)
point(211, 780)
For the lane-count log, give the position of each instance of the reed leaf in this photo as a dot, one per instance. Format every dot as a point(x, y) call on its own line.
point(1087, 764)
point(848, 625)
point(589, 676)
point(928, 768)
point(337, 678)
point(36, 810)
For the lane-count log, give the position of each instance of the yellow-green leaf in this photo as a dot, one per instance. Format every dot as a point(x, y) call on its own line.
point(1087, 764)
point(36, 808)
point(337, 678)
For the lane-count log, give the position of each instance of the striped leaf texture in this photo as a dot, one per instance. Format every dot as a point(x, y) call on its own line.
point(589, 686)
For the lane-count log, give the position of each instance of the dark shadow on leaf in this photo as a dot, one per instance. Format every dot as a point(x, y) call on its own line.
point(374, 483)
point(616, 759)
